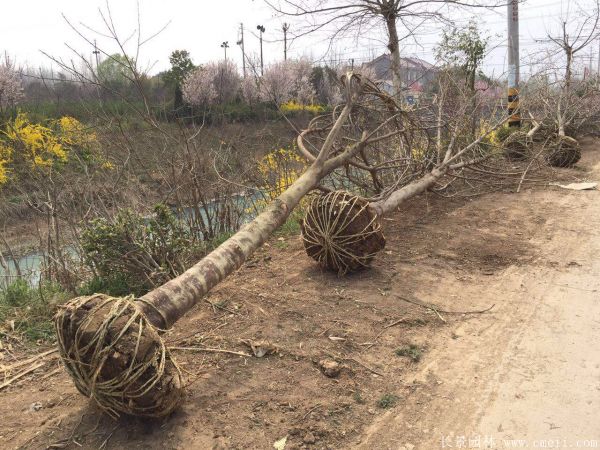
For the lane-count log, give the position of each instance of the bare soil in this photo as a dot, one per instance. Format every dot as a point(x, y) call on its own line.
point(529, 367)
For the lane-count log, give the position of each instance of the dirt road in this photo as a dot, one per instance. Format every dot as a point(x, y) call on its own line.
point(528, 375)
point(524, 375)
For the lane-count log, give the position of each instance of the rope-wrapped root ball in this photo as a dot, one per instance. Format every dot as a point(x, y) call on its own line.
point(564, 151)
point(341, 232)
point(116, 356)
point(516, 146)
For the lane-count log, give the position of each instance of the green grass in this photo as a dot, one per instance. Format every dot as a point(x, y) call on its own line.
point(411, 351)
point(291, 226)
point(358, 398)
point(28, 311)
point(387, 401)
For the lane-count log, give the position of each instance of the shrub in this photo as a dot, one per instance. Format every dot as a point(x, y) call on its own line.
point(134, 253)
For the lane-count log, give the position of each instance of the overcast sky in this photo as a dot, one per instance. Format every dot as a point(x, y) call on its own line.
point(200, 26)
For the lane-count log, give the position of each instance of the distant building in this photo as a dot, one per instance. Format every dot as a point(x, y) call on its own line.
point(416, 73)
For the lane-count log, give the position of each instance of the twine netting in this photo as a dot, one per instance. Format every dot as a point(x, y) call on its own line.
point(564, 152)
point(116, 357)
point(341, 232)
point(516, 146)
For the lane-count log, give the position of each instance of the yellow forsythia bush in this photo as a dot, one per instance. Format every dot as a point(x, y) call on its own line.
point(293, 106)
point(30, 146)
point(279, 169)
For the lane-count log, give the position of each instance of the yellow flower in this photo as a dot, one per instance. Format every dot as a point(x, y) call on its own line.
point(5, 159)
point(293, 106)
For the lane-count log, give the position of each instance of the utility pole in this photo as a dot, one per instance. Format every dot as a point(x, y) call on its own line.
point(598, 73)
point(96, 53)
point(261, 30)
point(225, 46)
point(513, 64)
point(241, 44)
point(285, 28)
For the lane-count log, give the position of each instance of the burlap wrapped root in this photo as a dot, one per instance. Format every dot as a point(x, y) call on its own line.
point(341, 232)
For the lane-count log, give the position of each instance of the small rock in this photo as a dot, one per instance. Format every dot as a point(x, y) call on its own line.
point(35, 407)
point(329, 368)
point(309, 438)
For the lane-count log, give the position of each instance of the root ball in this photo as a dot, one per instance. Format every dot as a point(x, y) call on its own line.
point(341, 232)
point(115, 356)
point(564, 152)
point(516, 146)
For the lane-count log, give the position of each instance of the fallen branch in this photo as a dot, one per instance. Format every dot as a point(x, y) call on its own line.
point(437, 309)
point(210, 350)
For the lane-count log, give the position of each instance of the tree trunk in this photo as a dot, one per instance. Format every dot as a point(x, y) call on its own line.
point(410, 190)
point(394, 49)
point(166, 304)
point(472, 76)
point(568, 73)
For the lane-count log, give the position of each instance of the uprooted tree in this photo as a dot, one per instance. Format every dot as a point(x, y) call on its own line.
point(561, 107)
point(112, 347)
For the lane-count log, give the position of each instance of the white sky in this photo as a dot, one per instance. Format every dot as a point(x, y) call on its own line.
point(199, 26)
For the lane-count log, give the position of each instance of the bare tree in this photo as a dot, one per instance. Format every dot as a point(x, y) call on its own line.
point(353, 17)
point(576, 33)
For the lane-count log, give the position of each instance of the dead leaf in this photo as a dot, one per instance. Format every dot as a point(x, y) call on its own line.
point(280, 444)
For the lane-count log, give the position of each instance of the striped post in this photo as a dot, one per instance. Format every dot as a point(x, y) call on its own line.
point(513, 64)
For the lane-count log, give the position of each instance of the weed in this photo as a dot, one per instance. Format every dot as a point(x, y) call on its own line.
point(387, 401)
point(28, 311)
point(411, 351)
point(358, 398)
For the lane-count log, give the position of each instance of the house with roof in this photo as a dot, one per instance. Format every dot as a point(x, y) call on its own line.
point(417, 74)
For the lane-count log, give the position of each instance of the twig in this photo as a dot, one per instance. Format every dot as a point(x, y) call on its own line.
point(214, 305)
point(527, 169)
point(20, 375)
point(103, 445)
point(27, 361)
point(210, 350)
point(365, 366)
point(393, 324)
point(49, 374)
point(438, 310)
point(187, 336)
point(311, 410)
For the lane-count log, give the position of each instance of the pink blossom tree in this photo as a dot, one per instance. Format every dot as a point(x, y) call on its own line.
point(288, 80)
point(215, 82)
point(11, 89)
point(251, 90)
